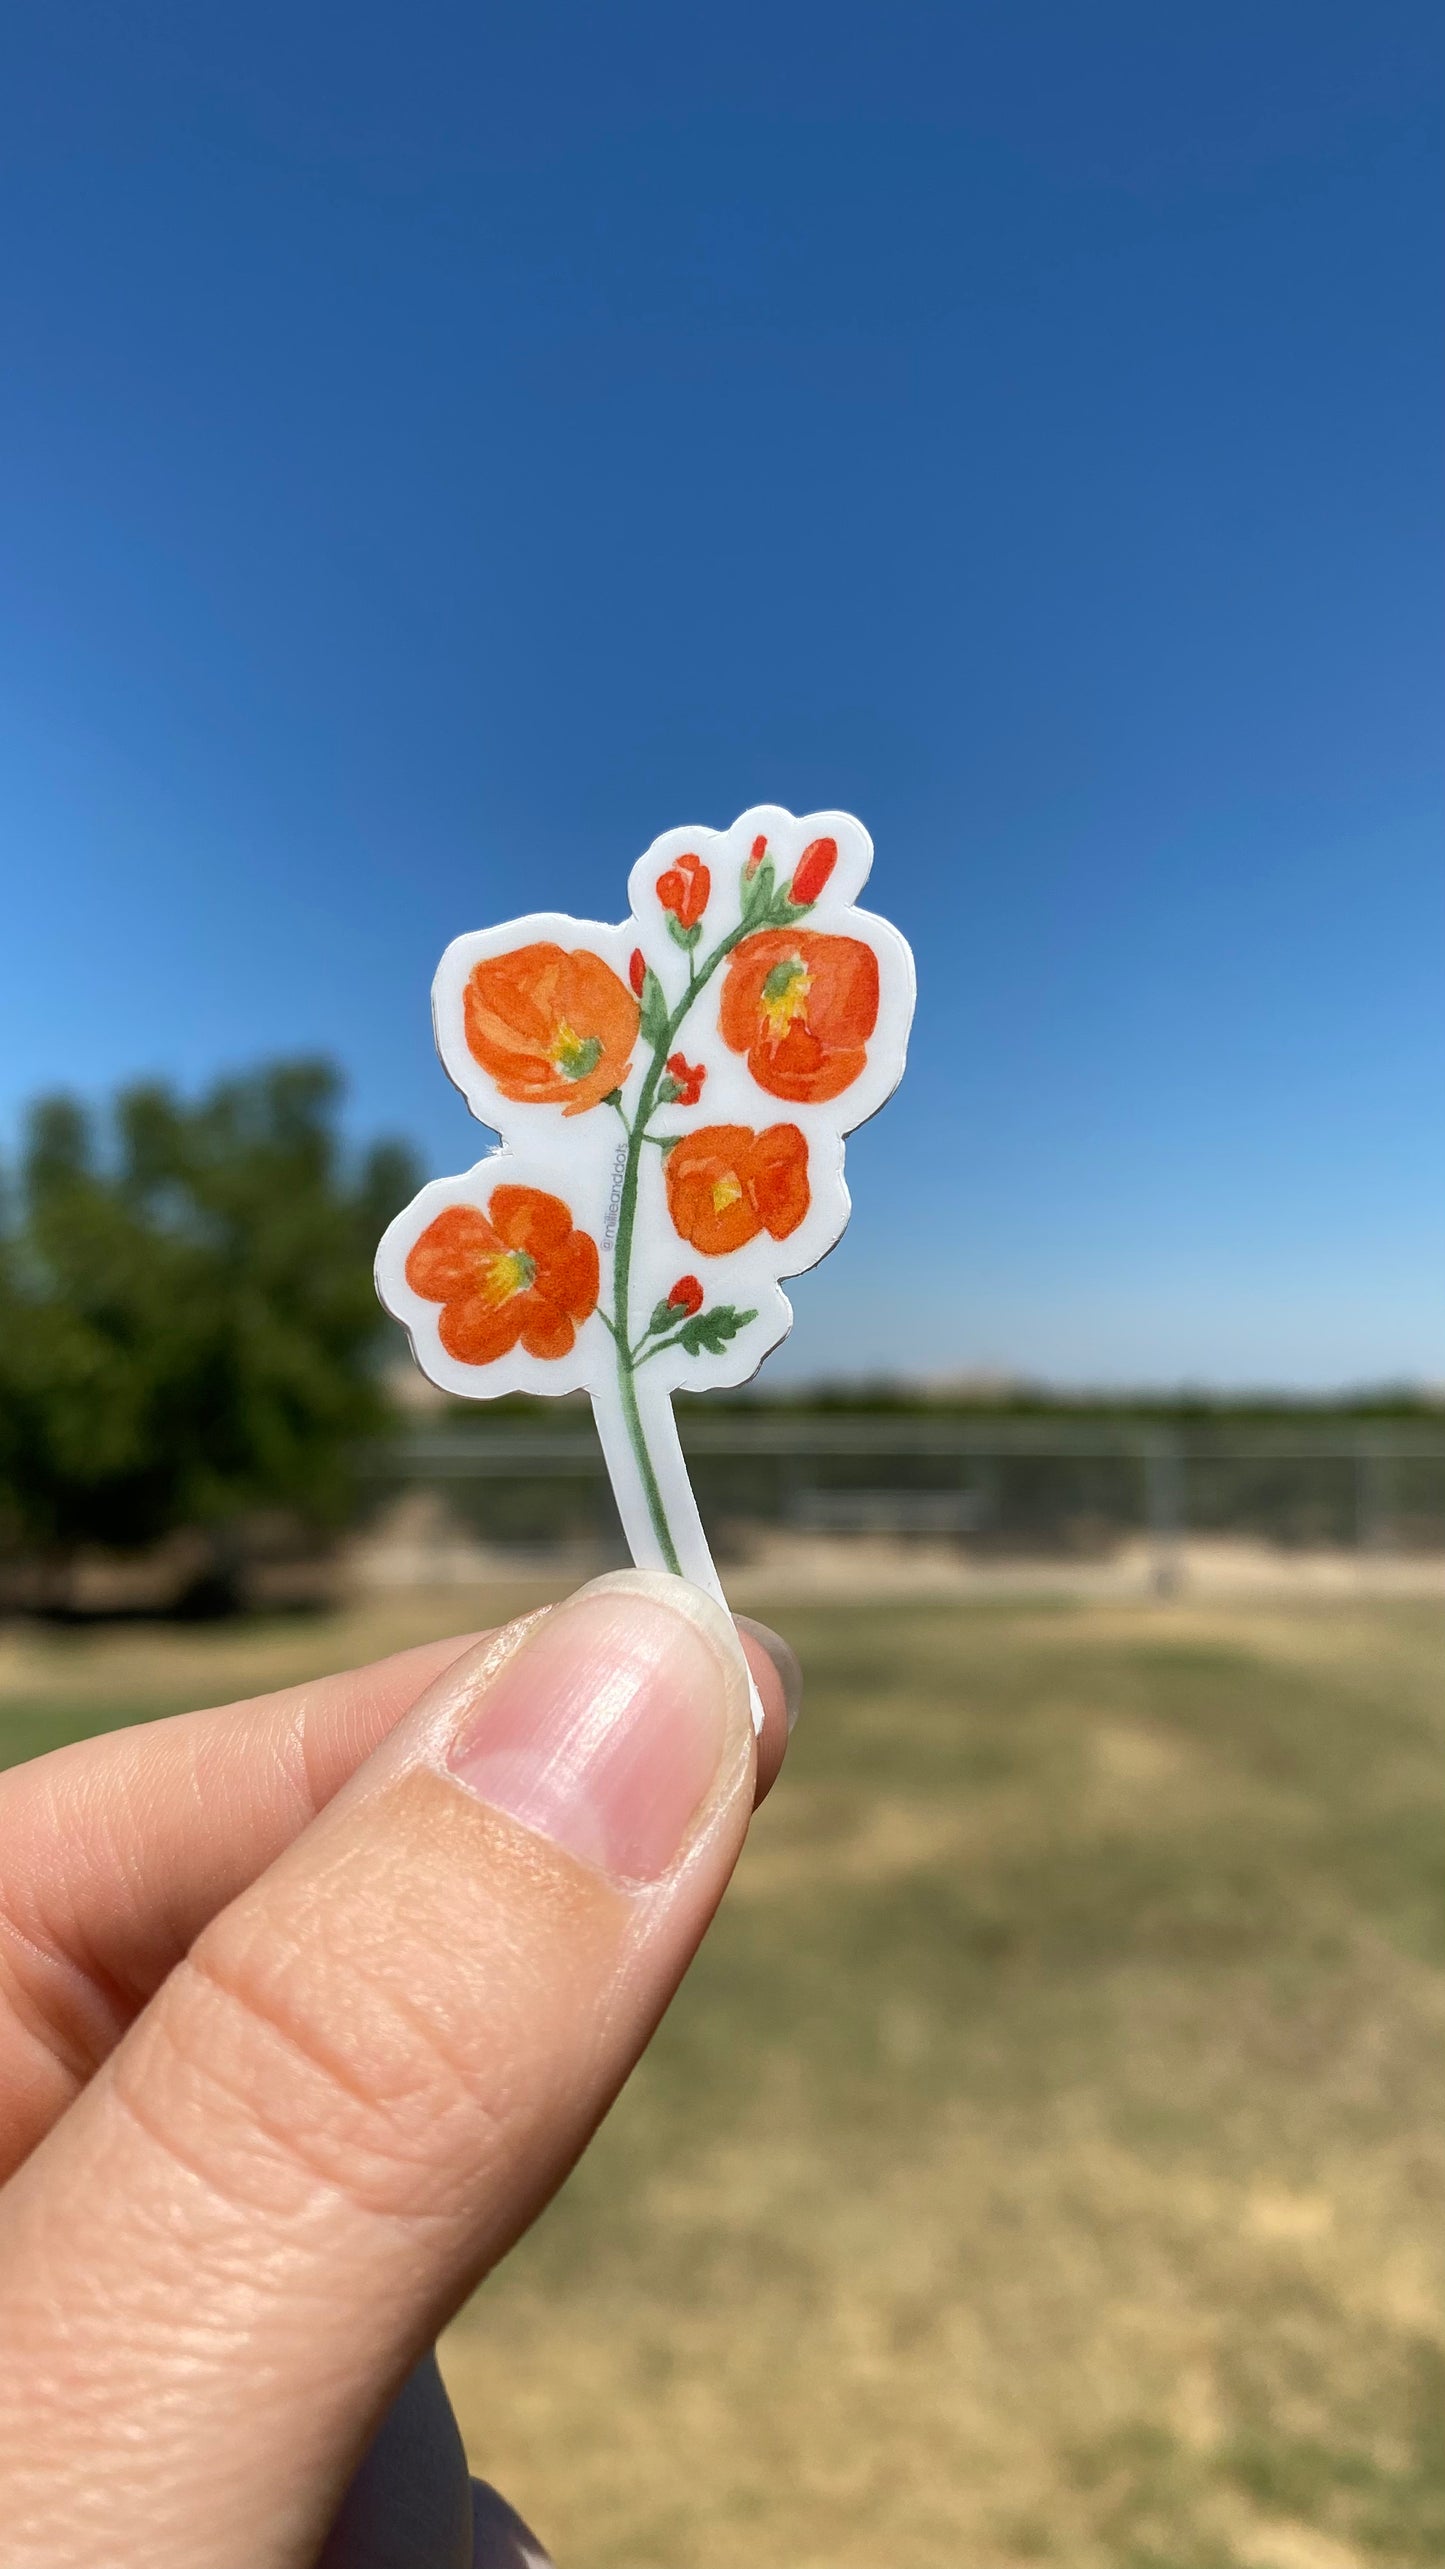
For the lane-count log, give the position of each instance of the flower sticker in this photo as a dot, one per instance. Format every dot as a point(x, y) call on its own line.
point(802, 1007)
point(725, 1184)
point(552, 1027)
point(517, 1274)
point(680, 1083)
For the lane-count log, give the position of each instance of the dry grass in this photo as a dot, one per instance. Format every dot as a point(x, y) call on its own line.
point(1045, 2160)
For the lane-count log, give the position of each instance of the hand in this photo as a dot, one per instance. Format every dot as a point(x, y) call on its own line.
point(307, 2006)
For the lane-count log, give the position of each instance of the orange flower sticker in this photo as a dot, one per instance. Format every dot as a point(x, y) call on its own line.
point(727, 1183)
point(553, 1028)
point(744, 981)
point(802, 1006)
point(517, 1273)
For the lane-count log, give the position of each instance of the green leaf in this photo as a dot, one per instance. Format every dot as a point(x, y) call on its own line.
point(708, 1332)
point(654, 1008)
point(663, 1316)
point(681, 936)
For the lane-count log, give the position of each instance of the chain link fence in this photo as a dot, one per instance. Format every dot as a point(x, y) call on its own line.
point(1046, 1487)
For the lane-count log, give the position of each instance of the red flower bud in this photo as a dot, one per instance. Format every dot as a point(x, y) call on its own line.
point(759, 851)
point(686, 1296)
point(685, 889)
point(637, 970)
point(688, 1076)
point(813, 869)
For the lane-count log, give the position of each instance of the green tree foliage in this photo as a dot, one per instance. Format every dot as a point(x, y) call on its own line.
point(188, 1328)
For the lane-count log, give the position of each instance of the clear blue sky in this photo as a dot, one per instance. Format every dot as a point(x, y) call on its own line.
point(444, 445)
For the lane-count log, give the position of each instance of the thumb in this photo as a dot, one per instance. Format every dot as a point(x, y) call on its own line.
point(368, 2075)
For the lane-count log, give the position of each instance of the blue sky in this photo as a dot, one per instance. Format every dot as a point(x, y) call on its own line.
point(444, 446)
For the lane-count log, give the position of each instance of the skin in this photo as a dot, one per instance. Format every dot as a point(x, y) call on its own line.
point(297, 2036)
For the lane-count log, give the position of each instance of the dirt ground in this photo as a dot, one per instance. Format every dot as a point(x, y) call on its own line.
point(419, 1543)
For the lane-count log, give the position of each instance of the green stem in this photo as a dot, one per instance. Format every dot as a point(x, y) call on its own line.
point(633, 1415)
point(621, 1330)
point(636, 1352)
point(745, 928)
point(628, 1358)
point(655, 1350)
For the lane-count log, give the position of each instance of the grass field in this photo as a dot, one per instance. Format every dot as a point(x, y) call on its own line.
point(1046, 2160)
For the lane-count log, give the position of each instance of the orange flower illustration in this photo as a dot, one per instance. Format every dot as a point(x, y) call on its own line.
point(687, 1079)
point(727, 1183)
point(553, 1028)
point(685, 889)
point(802, 1007)
point(519, 1271)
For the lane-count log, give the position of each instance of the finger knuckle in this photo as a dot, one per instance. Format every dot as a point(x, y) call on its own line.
point(297, 2085)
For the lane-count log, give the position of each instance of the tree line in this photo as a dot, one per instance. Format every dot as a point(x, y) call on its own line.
point(188, 1328)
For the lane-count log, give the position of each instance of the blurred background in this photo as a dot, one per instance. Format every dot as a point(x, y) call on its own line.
point(444, 448)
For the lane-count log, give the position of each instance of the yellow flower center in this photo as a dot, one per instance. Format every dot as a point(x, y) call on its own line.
point(725, 1191)
point(784, 997)
point(511, 1271)
point(574, 1055)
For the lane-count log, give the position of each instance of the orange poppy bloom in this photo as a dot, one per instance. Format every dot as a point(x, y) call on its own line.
point(553, 1028)
point(519, 1271)
point(727, 1183)
point(802, 1007)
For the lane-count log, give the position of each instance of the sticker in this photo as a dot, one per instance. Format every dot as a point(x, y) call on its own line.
point(672, 1096)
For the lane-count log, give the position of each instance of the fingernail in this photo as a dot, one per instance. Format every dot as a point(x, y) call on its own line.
point(608, 1728)
point(784, 1658)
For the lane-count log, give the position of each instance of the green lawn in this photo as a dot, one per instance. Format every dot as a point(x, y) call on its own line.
point(1046, 2160)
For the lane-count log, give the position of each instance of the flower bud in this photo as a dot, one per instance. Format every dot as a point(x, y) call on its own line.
point(812, 871)
point(686, 1296)
point(687, 1078)
point(637, 970)
point(758, 852)
point(685, 889)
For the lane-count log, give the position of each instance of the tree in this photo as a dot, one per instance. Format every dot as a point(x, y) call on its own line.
point(188, 1328)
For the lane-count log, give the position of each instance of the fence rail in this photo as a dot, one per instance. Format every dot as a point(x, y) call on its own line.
point(1004, 1484)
